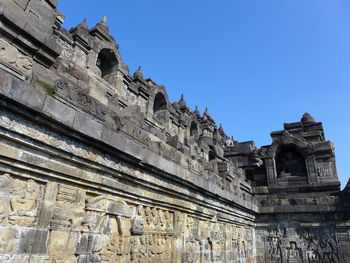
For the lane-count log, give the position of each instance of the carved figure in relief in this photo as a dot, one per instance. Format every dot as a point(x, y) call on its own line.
point(7, 240)
point(12, 56)
point(155, 217)
point(330, 258)
point(149, 218)
point(140, 211)
point(143, 246)
point(275, 249)
point(169, 220)
point(218, 253)
point(294, 253)
point(25, 205)
point(61, 219)
point(138, 226)
point(24, 208)
point(162, 219)
point(313, 257)
point(207, 247)
point(192, 254)
point(135, 255)
point(4, 181)
point(116, 244)
point(124, 225)
point(3, 211)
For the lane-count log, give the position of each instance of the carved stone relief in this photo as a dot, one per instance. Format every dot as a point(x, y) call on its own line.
point(80, 97)
point(301, 246)
point(11, 56)
point(20, 200)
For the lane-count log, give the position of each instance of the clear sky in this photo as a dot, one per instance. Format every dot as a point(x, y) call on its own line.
point(255, 63)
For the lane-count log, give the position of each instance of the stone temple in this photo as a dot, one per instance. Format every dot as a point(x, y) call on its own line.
point(97, 165)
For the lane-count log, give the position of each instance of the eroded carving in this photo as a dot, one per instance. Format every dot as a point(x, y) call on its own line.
point(13, 57)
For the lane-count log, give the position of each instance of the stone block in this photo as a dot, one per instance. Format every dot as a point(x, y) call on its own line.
point(135, 150)
point(39, 245)
point(8, 240)
point(33, 242)
point(22, 3)
point(138, 226)
point(79, 73)
point(37, 28)
point(63, 244)
point(201, 182)
point(53, 3)
point(88, 126)
point(51, 42)
point(113, 138)
point(21, 92)
point(5, 82)
point(27, 43)
point(59, 111)
point(43, 10)
point(2, 7)
point(15, 14)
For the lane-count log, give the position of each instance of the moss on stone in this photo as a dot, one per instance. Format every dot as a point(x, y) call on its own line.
point(48, 88)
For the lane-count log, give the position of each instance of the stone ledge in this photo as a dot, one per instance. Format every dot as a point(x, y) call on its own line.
point(35, 99)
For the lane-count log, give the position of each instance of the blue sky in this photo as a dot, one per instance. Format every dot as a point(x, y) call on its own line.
point(256, 64)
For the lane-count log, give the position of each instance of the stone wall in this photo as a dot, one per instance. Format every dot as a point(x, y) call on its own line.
point(63, 200)
point(97, 165)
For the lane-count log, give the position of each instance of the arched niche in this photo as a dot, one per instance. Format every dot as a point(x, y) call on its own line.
point(159, 102)
point(160, 108)
point(194, 129)
point(289, 162)
point(107, 62)
point(211, 154)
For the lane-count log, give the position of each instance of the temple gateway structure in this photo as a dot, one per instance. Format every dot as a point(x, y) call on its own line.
point(97, 165)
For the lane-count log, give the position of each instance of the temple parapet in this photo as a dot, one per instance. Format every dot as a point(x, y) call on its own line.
point(98, 165)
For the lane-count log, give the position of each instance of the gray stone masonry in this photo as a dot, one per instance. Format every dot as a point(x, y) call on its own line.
point(97, 165)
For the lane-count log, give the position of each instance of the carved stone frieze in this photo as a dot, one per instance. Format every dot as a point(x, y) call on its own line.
point(80, 97)
point(301, 245)
point(98, 166)
point(11, 56)
point(20, 200)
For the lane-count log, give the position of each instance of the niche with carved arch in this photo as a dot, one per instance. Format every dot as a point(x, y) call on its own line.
point(211, 154)
point(107, 63)
point(159, 107)
point(289, 162)
point(194, 131)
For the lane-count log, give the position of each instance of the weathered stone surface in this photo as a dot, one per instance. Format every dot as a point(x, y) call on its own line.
point(59, 111)
point(22, 3)
point(88, 126)
point(96, 165)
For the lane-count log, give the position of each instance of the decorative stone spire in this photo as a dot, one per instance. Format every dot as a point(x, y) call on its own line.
point(80, 33)
point(138, 73)
point(103, 24)
point(206, 112)
point(182, 102)
point(307, 118)
point(204, 118)
point(196, 111)
point(83, 25)
point(221, 129)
